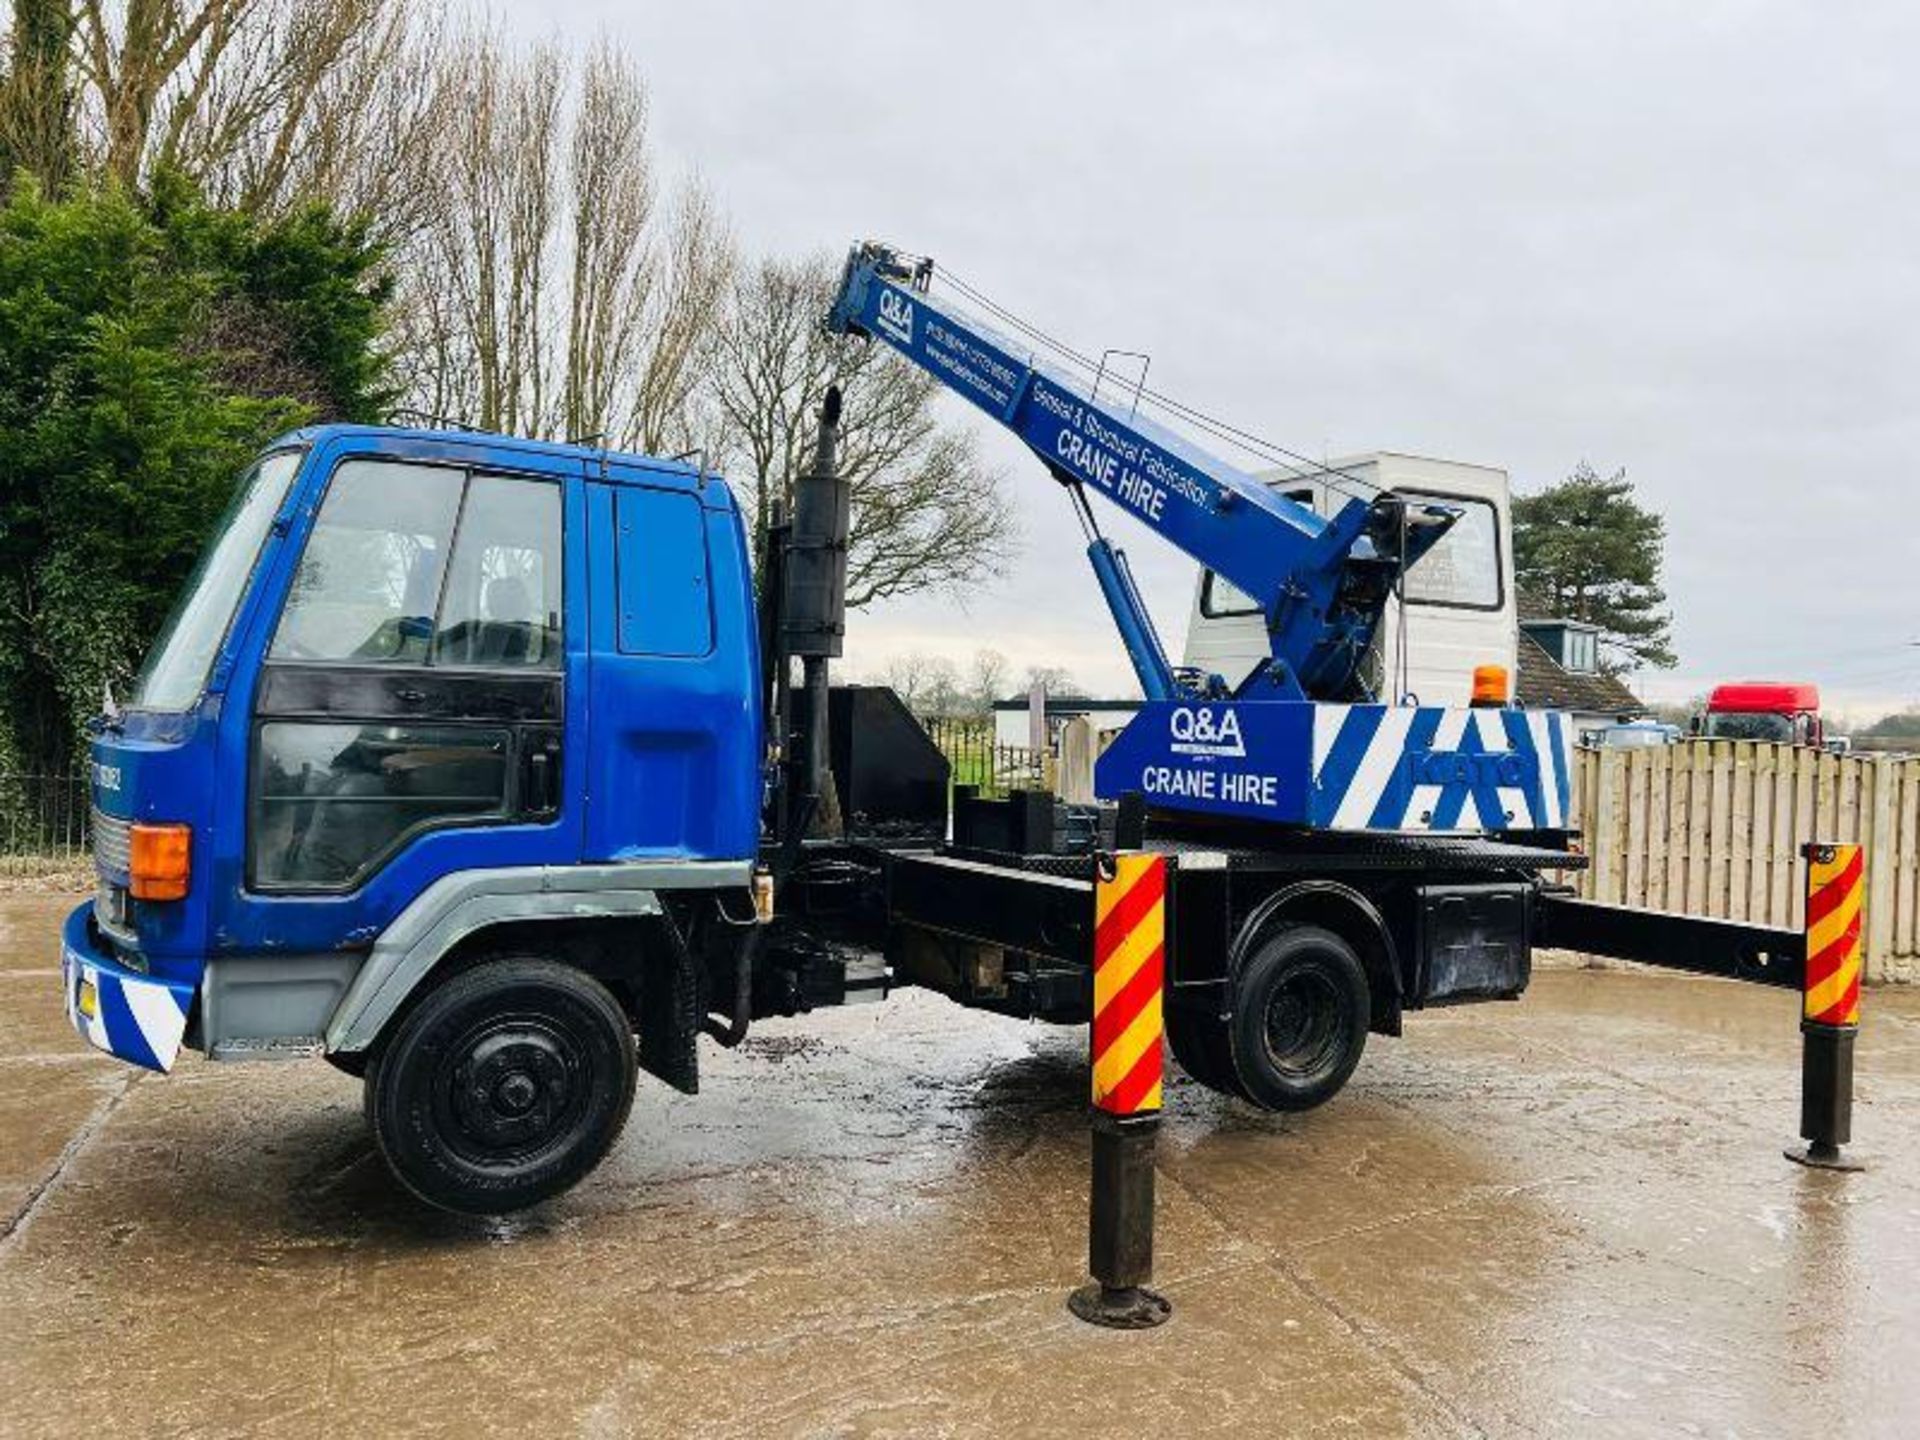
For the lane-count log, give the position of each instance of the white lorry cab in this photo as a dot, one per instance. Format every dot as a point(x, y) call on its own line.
point(1459, 606)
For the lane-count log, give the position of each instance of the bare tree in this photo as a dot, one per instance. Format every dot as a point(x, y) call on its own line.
point(265, 103)
point(926, 684)
point(1055, 680)
point(543, 283)
point(550, 292)
point(989, 678)
point(130, 56)
point(928, 514)
point(611, 276)
point(482, 258)
point(696, 265)
point(360, 87)
point(36, 93)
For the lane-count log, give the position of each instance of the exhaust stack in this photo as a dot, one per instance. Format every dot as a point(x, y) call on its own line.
point(814, 615)
point(815, 612)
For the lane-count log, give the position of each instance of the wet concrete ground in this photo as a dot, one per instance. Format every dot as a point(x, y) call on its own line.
point(1568, 1216)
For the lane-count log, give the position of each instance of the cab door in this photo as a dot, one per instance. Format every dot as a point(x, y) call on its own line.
point(410, 717)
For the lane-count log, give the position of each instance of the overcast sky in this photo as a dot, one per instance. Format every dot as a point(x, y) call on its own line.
point(1682, 239)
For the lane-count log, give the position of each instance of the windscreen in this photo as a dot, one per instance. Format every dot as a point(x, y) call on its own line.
point(177, 665)
point(1635, 736)
point(1750, 725)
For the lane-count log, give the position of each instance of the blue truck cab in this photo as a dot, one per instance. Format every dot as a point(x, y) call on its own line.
point(421, 682)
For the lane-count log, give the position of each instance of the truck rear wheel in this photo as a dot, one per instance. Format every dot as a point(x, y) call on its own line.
point(1199, 1043)
point(1300, 1012)
point(503, 1087)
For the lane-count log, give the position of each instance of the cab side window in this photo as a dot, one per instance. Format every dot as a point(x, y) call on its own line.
point(660, 559)
point(369, 579)
point(1463, 569)
point(331, 800)
point(502, 605)
point(1220, 598)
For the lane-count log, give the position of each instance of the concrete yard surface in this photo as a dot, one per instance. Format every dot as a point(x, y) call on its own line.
point(1566, 1216)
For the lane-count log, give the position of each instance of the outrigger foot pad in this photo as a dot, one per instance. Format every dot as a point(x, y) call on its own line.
point(1820, 1156)
point(1133, 1308)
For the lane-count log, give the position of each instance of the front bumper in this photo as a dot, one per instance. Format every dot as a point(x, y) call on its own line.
point(138, 1018)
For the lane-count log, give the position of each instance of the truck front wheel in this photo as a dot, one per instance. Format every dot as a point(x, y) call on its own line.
point(504, 1086)
point(1300, 1011)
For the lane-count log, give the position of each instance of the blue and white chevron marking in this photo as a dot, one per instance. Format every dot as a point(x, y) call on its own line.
point(1381, 767)
point(137, 1018)
point(1346, 767)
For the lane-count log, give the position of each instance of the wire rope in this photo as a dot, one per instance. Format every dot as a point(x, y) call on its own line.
point(1298, 465)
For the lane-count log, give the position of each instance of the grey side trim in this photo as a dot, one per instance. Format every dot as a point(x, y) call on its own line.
point(458, 905)
point(255, 1006)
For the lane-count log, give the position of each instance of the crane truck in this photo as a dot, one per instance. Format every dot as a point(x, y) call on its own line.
point(1783, 712)
point(473, 765)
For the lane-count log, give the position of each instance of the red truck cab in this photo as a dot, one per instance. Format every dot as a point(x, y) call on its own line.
point(1786, 712)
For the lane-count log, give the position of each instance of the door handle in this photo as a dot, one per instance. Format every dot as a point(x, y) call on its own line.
point(408, 695)
point(542, 793)
point(539, 781)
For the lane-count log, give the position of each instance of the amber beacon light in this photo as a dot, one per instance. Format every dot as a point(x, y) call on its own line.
point(1490, 685)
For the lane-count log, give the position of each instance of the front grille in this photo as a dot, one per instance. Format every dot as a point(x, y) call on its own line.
point(112, 843)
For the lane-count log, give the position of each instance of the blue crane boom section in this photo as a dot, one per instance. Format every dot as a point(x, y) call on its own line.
point(1320, 582)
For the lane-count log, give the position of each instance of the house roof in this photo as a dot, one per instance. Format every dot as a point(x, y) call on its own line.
point(1529, 606)
point(1541, 684)
point(1537, 623)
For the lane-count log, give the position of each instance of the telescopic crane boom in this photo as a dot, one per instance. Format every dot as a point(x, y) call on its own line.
point(1298, 741)
point(1321, 583)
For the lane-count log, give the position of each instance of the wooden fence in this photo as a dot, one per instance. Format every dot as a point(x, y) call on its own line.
point(1705, 827)
point(1714, 827)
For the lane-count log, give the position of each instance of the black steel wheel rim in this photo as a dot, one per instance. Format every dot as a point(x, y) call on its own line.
point(511, 1088)
point(1304, 1023)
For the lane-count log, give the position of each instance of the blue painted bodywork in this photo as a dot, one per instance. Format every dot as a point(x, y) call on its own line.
point(663, 739)
point(138, 1017)
point(1347, 767)
point(672, 743)
point(1137, 632)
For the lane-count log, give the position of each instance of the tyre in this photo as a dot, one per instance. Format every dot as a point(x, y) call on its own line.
point(503, 1086)
point(1201, 1046)
point(1300, 1013)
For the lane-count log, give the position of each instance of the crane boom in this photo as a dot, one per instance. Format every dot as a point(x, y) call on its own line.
point(1321, 582)
point(1287, 744)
